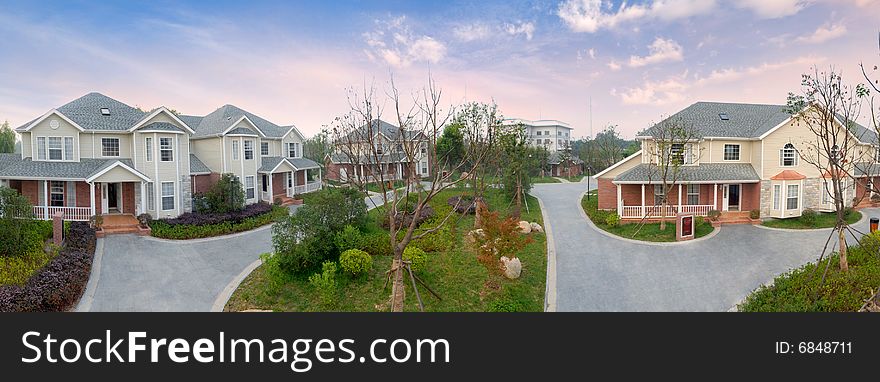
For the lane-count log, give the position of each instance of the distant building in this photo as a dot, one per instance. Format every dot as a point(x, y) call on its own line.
point(555, 136)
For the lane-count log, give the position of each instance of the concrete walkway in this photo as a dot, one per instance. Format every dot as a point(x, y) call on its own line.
point(595, 272)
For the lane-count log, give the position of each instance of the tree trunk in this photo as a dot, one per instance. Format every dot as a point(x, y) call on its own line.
point(663, 215)
point(480, 207)
point(841, 235)
point(398, 291)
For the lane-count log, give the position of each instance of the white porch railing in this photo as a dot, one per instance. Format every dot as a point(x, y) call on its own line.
point(306, 188)
point(70, 213)
point(629, 212)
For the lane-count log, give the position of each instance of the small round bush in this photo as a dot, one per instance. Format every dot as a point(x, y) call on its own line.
point(417, 257)
point(505, 305)
point(713, 214)
point(755, 214)
point(808, 216)
point(612, 220)
point(349, 238)
point(356, 262)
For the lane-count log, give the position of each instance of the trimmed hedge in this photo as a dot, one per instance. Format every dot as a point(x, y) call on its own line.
point(195, 225)
point(59, 285)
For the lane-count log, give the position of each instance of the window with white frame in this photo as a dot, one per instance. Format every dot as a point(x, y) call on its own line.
point(423, 149)
point(293, 150)
point(791, 200)
point(166, 149)
point(777, 196)
point(41, 148)
point(56, 148)
point(109, 147)
point(264, 149)
point(167, 196)
point(731, 152)
point(424, 167)
point(826, 194)
point(56, 194)
point(248, 149)
point(658, 194)
point(538, 133)
point(877, 154)
point(68, 148)
point(249, 187)
point(835, 153)
point(265, 180)
point(693, 194)
point(235, 150)
point(289, 180)
point(148, 149)
point(151, 197)
point(788, 156)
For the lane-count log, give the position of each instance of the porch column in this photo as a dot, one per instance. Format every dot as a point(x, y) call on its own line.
point(143, 208)
point(619, 200)
point(715, 196)
point(679, 197)
point(46, 200)
point(271, 190)
point(320, 179)
point(643, 200)
point(92, 194)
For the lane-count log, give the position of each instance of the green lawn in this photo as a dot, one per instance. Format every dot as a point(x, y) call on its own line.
point(802, 290)
point(646, 232)
point(823, 220)
point(546, 179)
point(455, 274)
point(573, 179)
point(374, 187)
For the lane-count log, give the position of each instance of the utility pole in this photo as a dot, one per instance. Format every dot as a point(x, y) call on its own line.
point(589, 143)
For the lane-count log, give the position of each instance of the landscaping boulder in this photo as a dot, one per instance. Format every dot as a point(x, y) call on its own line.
point(525, 227)
point(512, 267)
point(537, 227)
point(471, 238)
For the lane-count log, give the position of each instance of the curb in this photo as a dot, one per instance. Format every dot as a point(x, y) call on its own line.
point(550, 287)
point(592, 225)
point(85, 302)
point(222, 298)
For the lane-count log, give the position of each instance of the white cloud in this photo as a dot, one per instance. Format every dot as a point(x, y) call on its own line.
point(472, 32)
point(593, 15)
point(773, 9)
point(614, 66)
point(661, 50)
point(824, 33)
point(403, 48)
point(524, 28)
point(654, 92)
point(592, 53)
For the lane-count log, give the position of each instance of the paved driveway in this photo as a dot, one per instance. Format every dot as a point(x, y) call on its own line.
point(598, 273)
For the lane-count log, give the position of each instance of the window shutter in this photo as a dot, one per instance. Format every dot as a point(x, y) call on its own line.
point(781, 157)
point(71, 194)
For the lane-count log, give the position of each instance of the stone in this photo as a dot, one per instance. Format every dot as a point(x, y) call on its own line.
point(525, 227)
point(512, 267)
point(537, 227)
point(471, 238)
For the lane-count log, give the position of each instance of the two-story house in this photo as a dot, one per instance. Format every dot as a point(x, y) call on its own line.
point(96, 155)
point(745, 157)
point(379, 151)
point(554, 136)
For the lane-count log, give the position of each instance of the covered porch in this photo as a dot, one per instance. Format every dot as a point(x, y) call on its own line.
point(697, 189)
point(284, 178)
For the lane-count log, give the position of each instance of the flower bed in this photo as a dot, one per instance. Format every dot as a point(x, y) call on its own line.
point(58, 285)
point(194, 225)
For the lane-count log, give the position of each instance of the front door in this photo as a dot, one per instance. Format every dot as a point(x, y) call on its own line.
point(113, 197)
point(733, 203)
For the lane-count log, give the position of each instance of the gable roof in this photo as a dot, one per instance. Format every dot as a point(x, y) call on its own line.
point(18, 168)
point(85, 111)
point(220, 120)
point(388, 130)
point(196, 166)
point(269, 164)
point(160, 126)
point(743, 120)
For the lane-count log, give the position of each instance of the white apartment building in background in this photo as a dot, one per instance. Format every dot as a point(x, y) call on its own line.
point(548, 133)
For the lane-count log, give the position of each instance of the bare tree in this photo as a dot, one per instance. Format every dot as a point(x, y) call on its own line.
point(829, 109)
point(409, 144)
point(674, 144)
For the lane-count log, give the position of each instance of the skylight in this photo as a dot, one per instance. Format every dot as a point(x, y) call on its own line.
point(105, 111)
point(724, 116)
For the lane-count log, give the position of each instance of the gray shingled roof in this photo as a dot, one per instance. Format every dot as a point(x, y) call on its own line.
point(389, 130)
point(161, 126)
point(866, 168)
point(7, 160)
point(745, 120)
point(269, 163)
point(219, 120)
point(85, 168)
point(707, 172)
point(196, 166)
point(364, 159)
point(556, 158)
point(85, 111)
point(243, 131)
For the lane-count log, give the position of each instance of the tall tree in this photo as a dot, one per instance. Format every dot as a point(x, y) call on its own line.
point(7, 138)
point(318, 147)
point(674, 144)
point(450, 146)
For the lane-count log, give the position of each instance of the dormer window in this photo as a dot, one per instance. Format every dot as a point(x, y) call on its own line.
point(788, 156)
point(724, 117)
point(105, 111)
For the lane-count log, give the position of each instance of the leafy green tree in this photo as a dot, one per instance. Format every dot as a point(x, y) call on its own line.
point(16, 220)
point(7, 138)
point(450, 146)
point(226, 195)
point(316, 148)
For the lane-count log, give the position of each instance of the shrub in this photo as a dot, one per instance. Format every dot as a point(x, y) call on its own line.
point(501, 237)
point(377, 244)
point(506, 305)
point(19, 233)
point(612, 220)
point(349, 238)
point(144, 220)
point(60, 283)
point(224, 196)
point(417, 257)
point(713, 214)
point(198, 225)
point(808, 216)
point(755, 214)
point(463, 204)
point(356, 262)
point(272, 269)
point(325, 282)
point(443, 236)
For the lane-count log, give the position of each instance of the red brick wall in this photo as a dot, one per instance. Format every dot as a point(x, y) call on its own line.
point(98, 204)
point(128, 198)
point(83, 195)
point(607, 194)
point(31, 189)
point(632, 194)
point(301, 177)
point(203, 183)
point(279, 184)
point(750, 197)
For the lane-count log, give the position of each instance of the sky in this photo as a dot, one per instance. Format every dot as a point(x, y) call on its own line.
point(293, 62)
